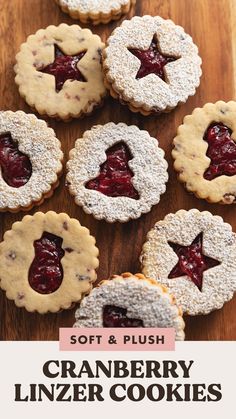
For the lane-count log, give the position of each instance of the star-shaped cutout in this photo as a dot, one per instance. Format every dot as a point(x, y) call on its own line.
point(192, 261)
point(64, 67)
point(152, 60)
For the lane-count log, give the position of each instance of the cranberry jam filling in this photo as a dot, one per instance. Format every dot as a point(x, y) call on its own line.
point(46, 272)
point(116, 317)
point(64, 67)
point(16, 166)
point(221, 150)
point(152, 60)
point(192, 262)
point(115, 175)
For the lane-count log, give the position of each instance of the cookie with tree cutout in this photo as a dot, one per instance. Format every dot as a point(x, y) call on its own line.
point(116, 172)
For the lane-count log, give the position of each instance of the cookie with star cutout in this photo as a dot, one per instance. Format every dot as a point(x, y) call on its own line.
point(151, 64)
point(59, 73)
point(193, 253)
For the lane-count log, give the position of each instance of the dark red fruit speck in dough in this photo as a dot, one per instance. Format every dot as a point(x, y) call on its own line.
point(116, 317)
point(46, 272)
point(15, 166)
point(115, 177)
point(221, 150)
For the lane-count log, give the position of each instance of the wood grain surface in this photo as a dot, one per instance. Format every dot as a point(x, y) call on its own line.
point(212, 25)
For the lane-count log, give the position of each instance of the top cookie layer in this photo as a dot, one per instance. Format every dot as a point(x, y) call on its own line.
point(151, 93)
point(143, 299)
point(78, 263)
point(147, 164)
point(219, 242)
point(38, 88)
point(86, 6)
point(37, 141)
point(190, 150)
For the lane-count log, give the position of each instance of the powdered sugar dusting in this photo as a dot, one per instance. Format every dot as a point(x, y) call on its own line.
point(39, 143)
point(140, 297)
point(86, 6)
point(219, 242)
point(152, 93)
point(148, 165)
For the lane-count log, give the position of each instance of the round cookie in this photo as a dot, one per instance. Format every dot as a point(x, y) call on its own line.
point(30, 161)
point(54, 268)
point(151, 64)
point(193, 254)
point(96, 11)
point(130, 301)
point(58, 71)
point(205, 152)
point(116, 172)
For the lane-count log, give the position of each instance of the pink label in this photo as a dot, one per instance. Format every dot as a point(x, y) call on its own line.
point(117, 339)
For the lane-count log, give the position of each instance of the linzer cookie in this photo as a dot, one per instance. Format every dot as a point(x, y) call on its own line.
point(55, 266)
point(193, 253)
point(205, 152)
point(30, 161)
point(151, 64)
point(58, 71)
point(116, 172)
point(96, 11)
point(130, 301)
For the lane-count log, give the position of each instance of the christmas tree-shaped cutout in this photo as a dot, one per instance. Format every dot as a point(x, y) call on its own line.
point(115, 177)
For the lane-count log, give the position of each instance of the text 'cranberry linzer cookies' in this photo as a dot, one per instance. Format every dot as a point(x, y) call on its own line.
point(53, 268)
point(151, 64)
point(205, 152)
point(116, 172)
point(130, 301)
point(193, 253)
point(58, 71)
point(30, 161)
point(96, 11)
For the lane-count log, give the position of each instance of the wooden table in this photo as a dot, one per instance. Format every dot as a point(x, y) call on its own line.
point(211, 23)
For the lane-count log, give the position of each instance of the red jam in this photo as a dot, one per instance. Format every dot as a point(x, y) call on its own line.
point(46, 272)
point(152, 61)
point(116, 317)
point(115, 178)
point(192, 262)
point(16, 166)
point(221, 150)
point(64, 67)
